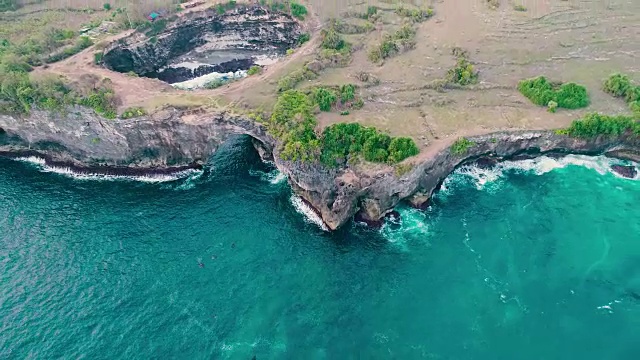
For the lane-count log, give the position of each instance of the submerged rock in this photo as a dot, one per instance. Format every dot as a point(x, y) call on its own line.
point(626, 171)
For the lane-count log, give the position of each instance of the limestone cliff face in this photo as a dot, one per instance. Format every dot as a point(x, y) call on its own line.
point(172, 139)
point(339, 194)
point(168, 139)
point(242, 30)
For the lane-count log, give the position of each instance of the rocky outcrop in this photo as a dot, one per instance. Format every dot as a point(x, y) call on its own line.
point(170, 139)
point(175, 139)
point(339, 194)
point(218, 42)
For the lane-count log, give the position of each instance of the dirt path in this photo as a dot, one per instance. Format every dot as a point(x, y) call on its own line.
point(140, 91)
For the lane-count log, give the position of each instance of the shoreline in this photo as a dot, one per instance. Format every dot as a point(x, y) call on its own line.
point(431, 171)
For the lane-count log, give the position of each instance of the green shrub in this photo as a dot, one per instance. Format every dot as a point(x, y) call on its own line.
point(325, 98)
point(634, 106)
point(463, 73)
point(347, 93)
point(553, 106)
point(97, 57)
point(101, 101)
point(290, 81)
point(633, 94)
point(617, 85)
point(133, 112)
point(519, 8)
point(298, 11)
point(461, 146)
point(342, 141)
point(595, 124)
point(255, 69)
point(540, 91)
point(401, 148)
point(293, 123)
point(216, 83)
point(304, 37)
point(416, 15)
point(331, 39)
point(106, 6)
point(371, 11)
point(392, 44)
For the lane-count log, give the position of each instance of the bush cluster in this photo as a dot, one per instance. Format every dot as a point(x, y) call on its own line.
point(343, 97)
point(620, 86)
point(255, 69)
point(342, 141)
point(595, 124)
point(416, 15)
point(393, 44)
point(290, 81)
point(461, 146)
point(298, 11)
point(293, 122)
point(9, 5)
point(133, 112)
point(20, 93)
point(541, 92)
point(463, 73)
point(304, 37)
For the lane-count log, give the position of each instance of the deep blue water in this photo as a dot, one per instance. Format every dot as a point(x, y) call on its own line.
point(534, 260)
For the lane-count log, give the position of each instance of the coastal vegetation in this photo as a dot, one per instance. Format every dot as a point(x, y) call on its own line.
point(461, 146)
point(133, 112)
point(294, 124)
point(334, 51)
point(542, 92)
point(401, 40)
point(254, 70)
point(619, 85)
point(594, 124)
point(416, 15)
point(343, 97)
point(463, 73)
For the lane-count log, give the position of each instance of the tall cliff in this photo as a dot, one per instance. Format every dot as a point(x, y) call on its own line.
point(174, 139)
point(168, 139)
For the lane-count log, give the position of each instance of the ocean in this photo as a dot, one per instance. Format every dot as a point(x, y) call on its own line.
point(537, 259)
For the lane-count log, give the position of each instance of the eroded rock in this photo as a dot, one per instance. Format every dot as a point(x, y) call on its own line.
point(204, 42)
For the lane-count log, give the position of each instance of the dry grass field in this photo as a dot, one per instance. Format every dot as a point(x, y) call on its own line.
point(581, 41)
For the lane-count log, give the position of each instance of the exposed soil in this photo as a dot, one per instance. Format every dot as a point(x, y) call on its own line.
point(577, 40)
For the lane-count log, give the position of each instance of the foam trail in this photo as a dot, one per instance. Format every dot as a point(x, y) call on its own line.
point(66, 171)
point(539, 166)
point(412, 225)
point(273, 177)
point(309, 214)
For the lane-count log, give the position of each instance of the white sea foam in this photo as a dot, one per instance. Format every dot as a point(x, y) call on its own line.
point(539, 166)
point(309, 214)
point(273, 177)
point(66, 171)
point(412, 225)
point(201, 81)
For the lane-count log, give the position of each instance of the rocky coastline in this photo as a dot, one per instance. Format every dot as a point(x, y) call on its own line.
point(173, 140)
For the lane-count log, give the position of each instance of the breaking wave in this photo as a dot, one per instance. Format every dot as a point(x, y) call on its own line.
point(67, 171)
point(539, 166)
point(310, 215)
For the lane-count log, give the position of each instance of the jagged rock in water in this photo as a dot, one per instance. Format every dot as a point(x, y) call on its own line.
point(200, 43)
point(626, 171)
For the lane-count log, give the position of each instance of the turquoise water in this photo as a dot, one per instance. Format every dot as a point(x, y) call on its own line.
point(536, 260)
